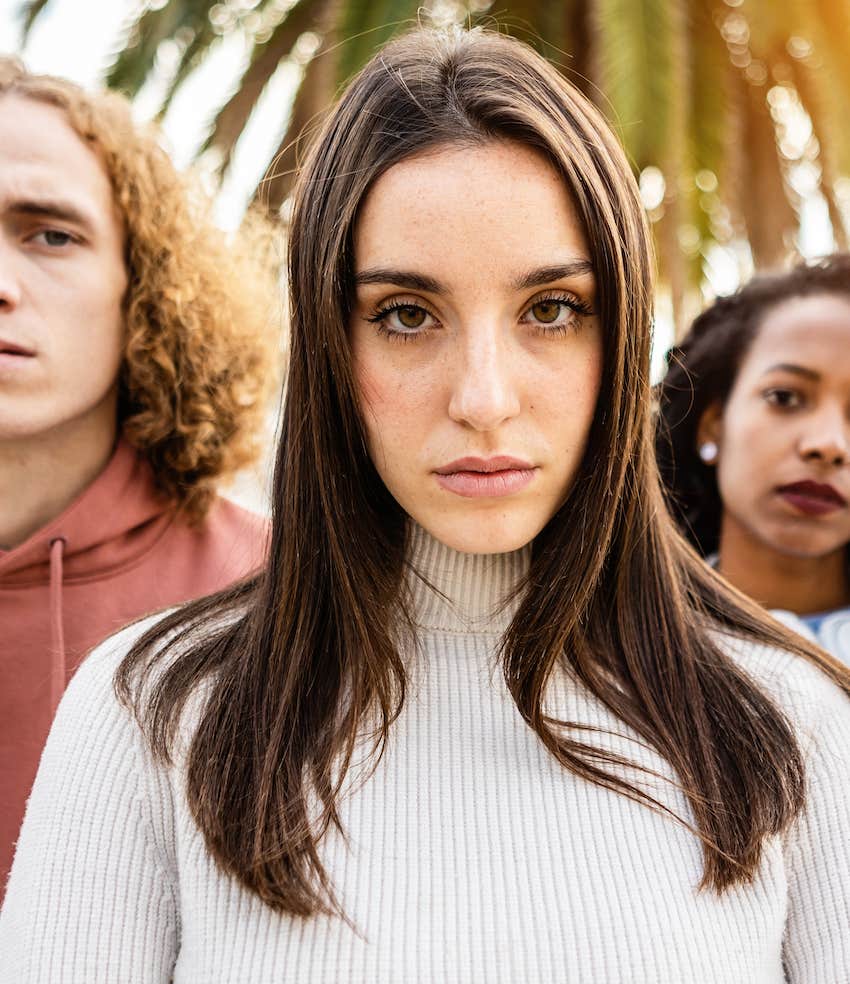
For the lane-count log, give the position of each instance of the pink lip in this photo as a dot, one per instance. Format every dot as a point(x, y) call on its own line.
point(812, 498)
point(9, 348)
point(475, 478)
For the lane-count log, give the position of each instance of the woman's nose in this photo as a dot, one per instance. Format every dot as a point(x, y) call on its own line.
point(828, 438)
point(484, 386)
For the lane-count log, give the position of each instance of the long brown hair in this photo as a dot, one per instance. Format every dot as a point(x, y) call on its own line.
point(306, 656)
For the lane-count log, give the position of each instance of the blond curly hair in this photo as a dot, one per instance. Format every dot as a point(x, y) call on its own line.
point(202, 312)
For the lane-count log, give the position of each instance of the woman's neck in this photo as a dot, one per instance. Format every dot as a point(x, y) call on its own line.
point(461, 592)
point(803, 585)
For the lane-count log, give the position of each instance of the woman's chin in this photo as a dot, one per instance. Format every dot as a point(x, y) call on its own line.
point(487, 534)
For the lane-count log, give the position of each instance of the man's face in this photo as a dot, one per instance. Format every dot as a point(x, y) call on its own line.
point(62, 278)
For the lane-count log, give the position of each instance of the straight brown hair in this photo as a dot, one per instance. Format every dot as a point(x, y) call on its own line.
point(301, 659)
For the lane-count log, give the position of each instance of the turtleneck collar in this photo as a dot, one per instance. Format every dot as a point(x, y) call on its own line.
point(461, 592)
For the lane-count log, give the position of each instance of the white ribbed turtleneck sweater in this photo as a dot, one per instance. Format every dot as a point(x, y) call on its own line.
point(472, 856)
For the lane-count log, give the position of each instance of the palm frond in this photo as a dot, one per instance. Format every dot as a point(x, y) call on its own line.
point(768, 214)
point(313, 98)
point(637, 53)
point(833, 140)
point(825, 77)
point(709, 95)
point(768, 27)
point(28, 14)
point(346, 46)
point(565, 31)
point(833, 17)
point(683, 81)
point(131, 68)
point(191, 56)
point(306, 15)
point(365, 26)
point(781, 36)
point(711, 118)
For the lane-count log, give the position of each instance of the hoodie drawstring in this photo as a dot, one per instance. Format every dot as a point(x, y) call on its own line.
point(57, 628)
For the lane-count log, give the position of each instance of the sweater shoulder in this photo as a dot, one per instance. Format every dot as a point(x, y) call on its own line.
point(99, 826)
point(802, 689)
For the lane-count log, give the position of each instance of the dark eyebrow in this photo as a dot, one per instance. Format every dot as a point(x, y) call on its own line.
point(400, 278)
point(549, 274)
point(418, 281)
point(796, 370)
point(52, 209)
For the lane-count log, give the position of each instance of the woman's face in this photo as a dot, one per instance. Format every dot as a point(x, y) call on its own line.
point(476, 348)
point(783, 438)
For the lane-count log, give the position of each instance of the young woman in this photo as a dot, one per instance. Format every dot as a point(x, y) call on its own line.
point(754, 444)
point(486, 716)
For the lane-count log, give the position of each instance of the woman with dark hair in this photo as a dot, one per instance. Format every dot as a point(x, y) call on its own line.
point(485, 716)
point(754, 444)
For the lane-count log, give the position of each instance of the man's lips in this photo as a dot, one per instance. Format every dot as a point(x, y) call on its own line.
point(474, 478)
point(813, 498)
point(11, 348)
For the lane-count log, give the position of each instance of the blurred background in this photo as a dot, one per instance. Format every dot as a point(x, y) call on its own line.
point(734, 113)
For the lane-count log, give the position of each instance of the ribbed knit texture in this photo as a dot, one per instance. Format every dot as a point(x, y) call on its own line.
point(472, 855)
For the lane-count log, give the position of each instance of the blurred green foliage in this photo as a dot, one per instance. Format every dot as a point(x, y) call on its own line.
point(705, 95)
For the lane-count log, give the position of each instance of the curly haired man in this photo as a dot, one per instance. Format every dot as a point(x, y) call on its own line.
point(136, 358)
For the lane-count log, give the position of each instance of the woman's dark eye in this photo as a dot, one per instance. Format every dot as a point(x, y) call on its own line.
point(410, 316)
point(547, 312)
point(403, 321)
point(784, 398)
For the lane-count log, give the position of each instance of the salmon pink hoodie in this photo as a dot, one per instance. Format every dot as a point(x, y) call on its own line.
point(116, 553)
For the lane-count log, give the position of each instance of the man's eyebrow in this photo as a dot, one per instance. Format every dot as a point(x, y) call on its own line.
point(549, 274)
point(417, 281)
point(399, 278)
point(52, 208)
point(795, 369)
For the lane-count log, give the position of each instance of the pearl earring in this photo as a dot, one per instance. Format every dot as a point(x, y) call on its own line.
point(708, 452)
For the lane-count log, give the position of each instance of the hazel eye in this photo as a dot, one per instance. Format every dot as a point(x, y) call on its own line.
point(555, 314)
point(403, 321)
point(410, 316)
point(547, 312)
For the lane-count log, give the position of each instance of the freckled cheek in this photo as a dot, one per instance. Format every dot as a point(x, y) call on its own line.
point(568, 394)
point(396, 406)
point(368, 392)
point(389, 386)
point(381, 391)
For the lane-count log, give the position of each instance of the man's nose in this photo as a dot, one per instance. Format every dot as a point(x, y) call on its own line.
point(827, 438)
point(10, 285)
point(484, 386)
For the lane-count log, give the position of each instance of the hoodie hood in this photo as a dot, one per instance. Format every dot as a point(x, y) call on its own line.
point(108, 525)
point(111, 523)
point(120, 551)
